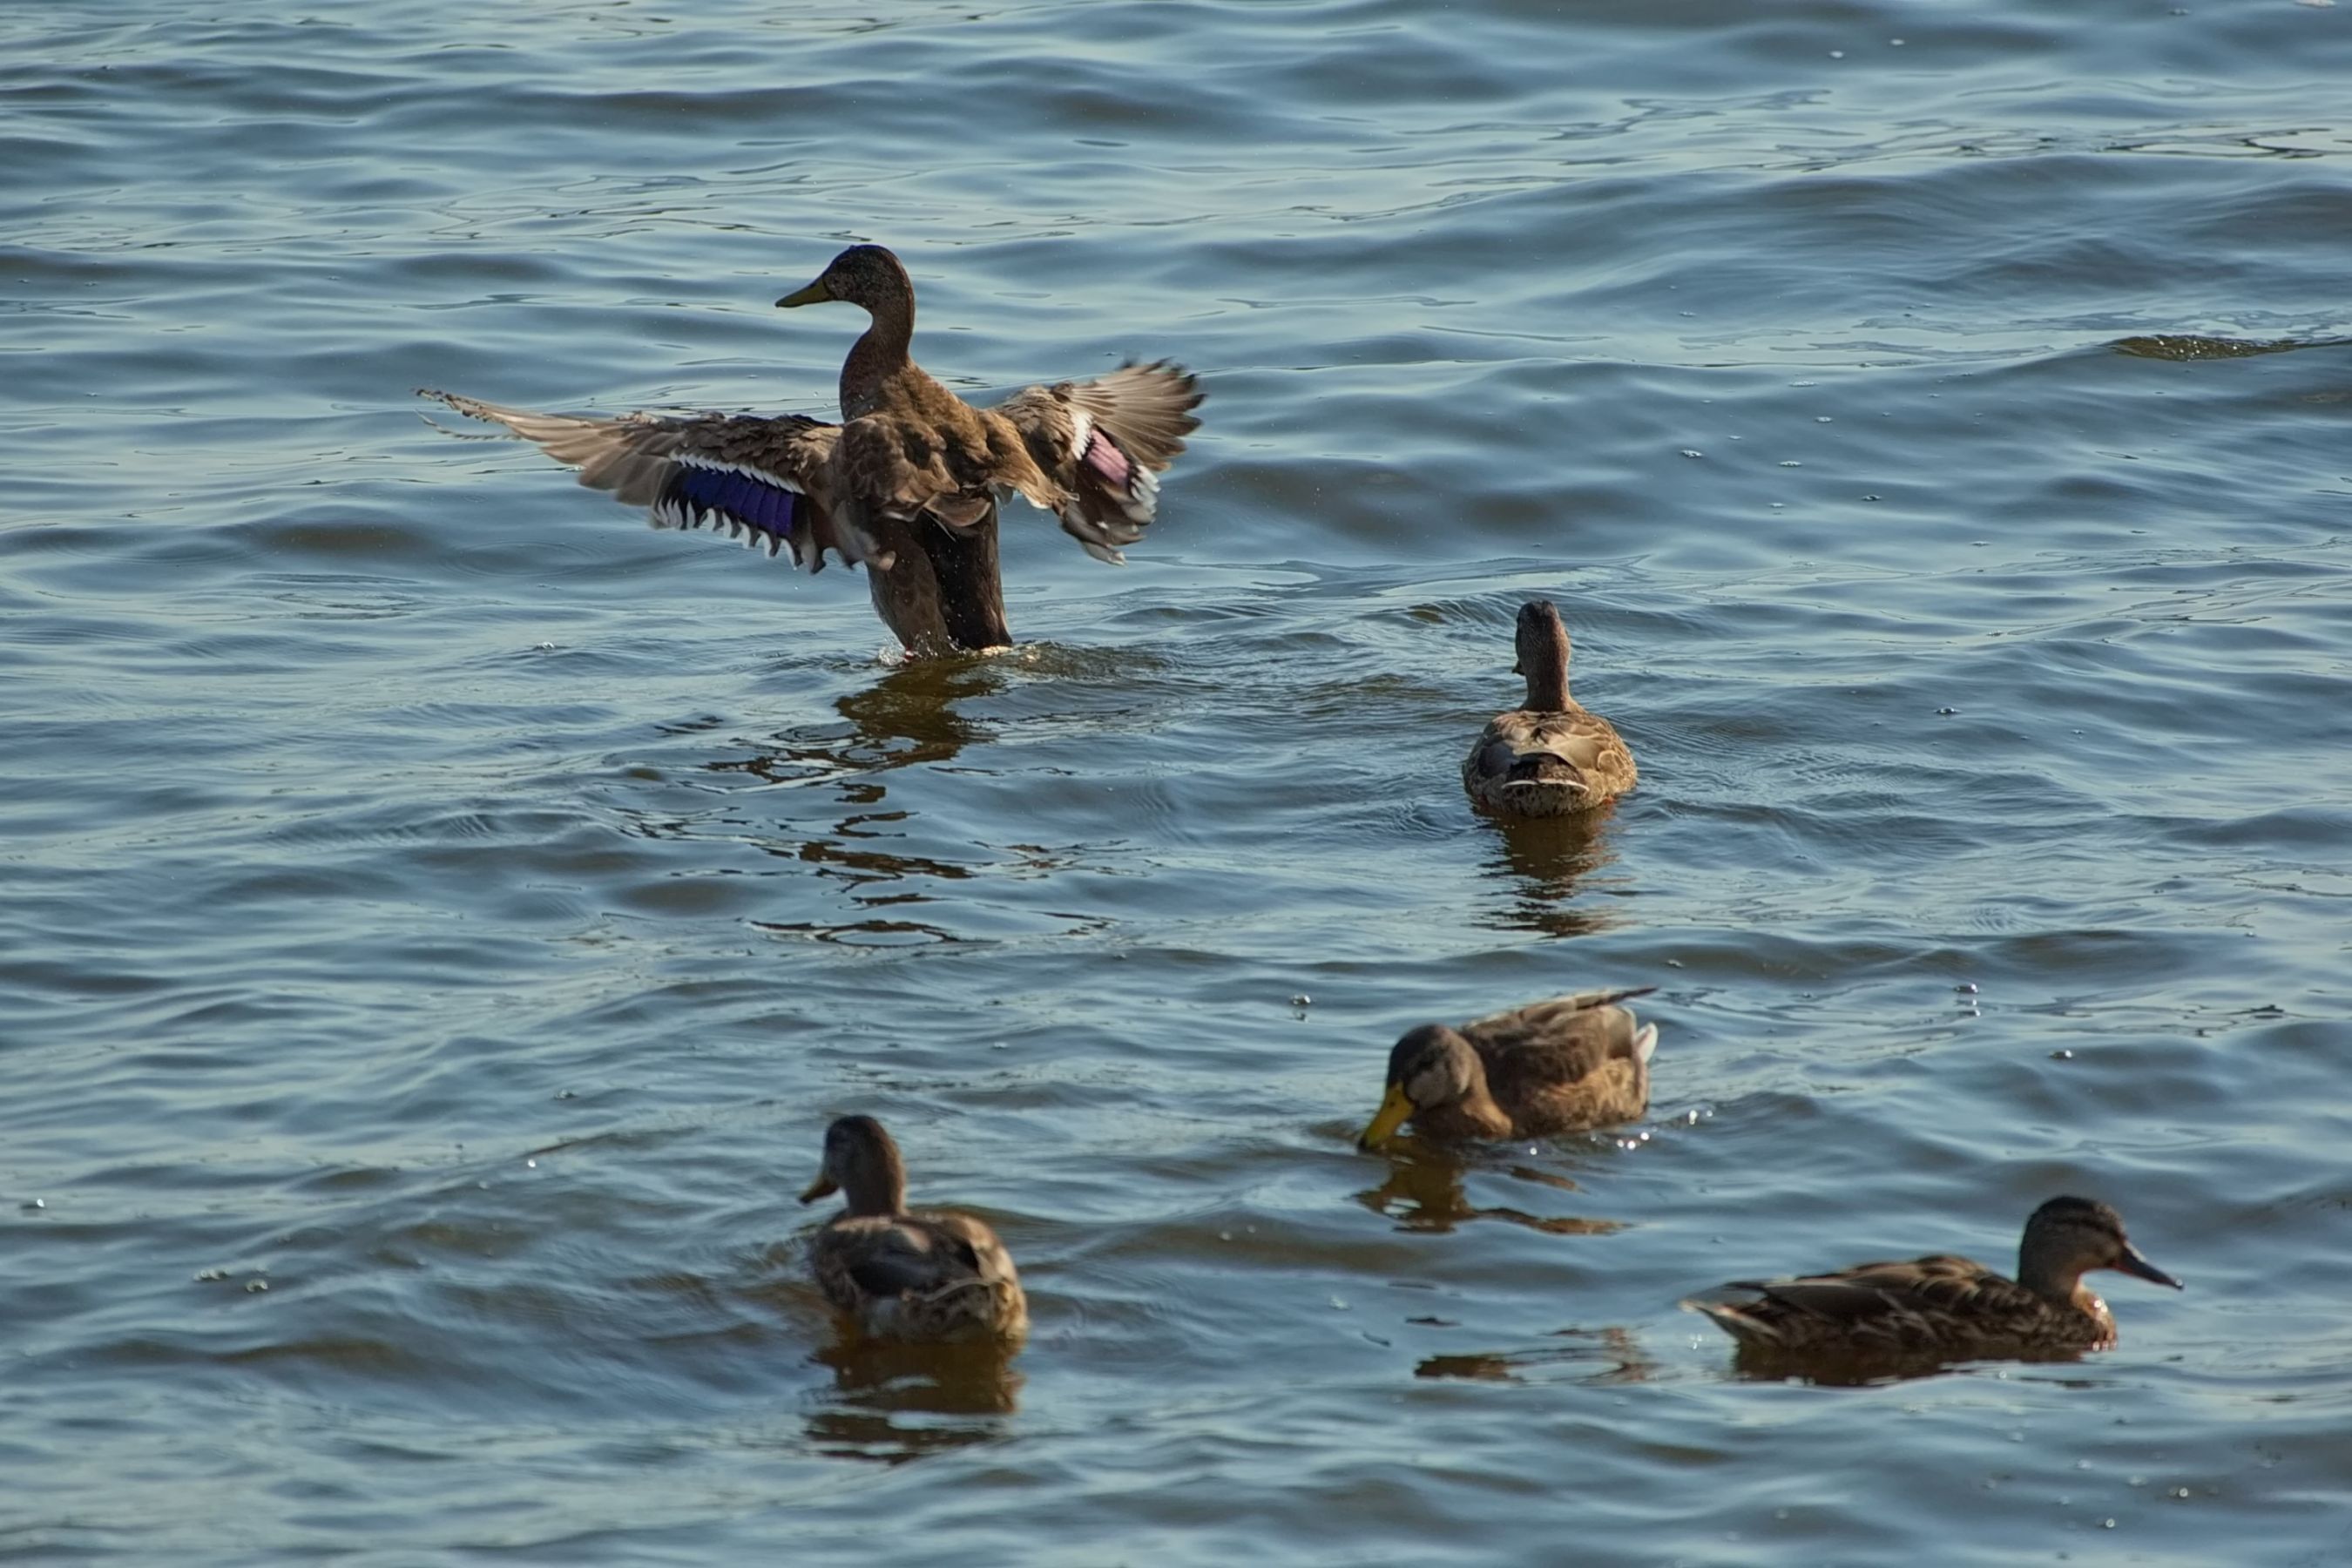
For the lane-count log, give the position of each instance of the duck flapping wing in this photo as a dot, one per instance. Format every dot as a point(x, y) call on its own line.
point(766, 480)
point(1103, 444)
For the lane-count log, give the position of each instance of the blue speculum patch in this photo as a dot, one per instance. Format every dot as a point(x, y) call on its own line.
point(769, 507)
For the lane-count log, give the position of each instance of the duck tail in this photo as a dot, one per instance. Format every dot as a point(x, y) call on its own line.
point(1733, 1319)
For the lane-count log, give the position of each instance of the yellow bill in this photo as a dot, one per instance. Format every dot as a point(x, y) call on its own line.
point(1395, 1109)
point(815, 293)
point(823, 1186)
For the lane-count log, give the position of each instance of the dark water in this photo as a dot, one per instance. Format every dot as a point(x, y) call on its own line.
point(438, 899)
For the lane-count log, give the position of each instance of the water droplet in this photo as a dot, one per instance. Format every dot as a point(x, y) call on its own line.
point(1947, 712)
point(1790, 463)
point(1224, 1235)
point(208, 1276)
point(1338, 1304)
point(1870, 498)
point(1966, 988)
point(1693, 452)
point(1302, 1000)
point(1824, 420)
point(30, 1205)
point(256, 1287)
point(1837, 54)
point(2107, 1525)
point(2064, 1055)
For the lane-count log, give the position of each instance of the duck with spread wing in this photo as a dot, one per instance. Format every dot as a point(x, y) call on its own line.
point(907, 485)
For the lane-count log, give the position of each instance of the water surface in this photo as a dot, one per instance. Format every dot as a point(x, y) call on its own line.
point(442, 914)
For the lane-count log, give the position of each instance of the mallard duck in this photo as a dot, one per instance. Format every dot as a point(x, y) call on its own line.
point(1948, 1305)
point(1557, 1066)
point(1550, 758)
point(908, 485)
point(900, 1274)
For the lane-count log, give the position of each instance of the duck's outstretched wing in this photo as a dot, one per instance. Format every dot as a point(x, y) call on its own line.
point(1105, 443)
point(766, 480)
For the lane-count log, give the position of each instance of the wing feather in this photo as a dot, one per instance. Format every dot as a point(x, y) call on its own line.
point(770, 478)
point(1104, 443)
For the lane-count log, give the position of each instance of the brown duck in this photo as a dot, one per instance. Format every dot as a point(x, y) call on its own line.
point(910, 483)
point(1946, 1305)
point(1559, 1066)
point(900, 1274)
point(1550, 758)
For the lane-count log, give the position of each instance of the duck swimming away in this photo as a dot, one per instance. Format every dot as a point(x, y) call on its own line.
point(1948, 1306)
point(1548, 758)
point(902, 1275)
point(908, 485)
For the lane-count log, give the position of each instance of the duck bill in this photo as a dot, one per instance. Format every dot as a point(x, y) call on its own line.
point(1394, 1109)
point(815, 293)
point(2131, 1262)
point(824, 1186)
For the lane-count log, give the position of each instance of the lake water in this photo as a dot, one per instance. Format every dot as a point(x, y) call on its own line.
point(441, 913)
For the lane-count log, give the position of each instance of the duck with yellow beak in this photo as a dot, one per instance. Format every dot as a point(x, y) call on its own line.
point(1557, 1066)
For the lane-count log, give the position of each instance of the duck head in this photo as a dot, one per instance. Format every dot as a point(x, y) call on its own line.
point(1429, 1068)
point(1542, 640)
point(863, 275)
point(862, 1162)
point(2067, 1238)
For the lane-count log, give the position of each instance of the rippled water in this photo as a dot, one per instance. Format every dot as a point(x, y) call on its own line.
point(442, 914)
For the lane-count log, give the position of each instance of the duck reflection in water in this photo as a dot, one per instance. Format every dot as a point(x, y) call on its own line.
point(1549, 856)
point(1620, 1354)
point(896, 1401)
point(1424, 1193)
point(907, 717)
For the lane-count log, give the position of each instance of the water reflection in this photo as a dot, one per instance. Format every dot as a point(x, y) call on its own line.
point(908, 716)
point(1615, 1347)
point(2187, 346)
point(1424, 1193)
point(1865, 1370)
point(1549, 856)
point(899, 1402)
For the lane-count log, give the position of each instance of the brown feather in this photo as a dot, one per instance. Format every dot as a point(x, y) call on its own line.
point(901, 1274)
point(1942, 1304)
point(1561, 1064)
point(911, 480)
point(1551, 757)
